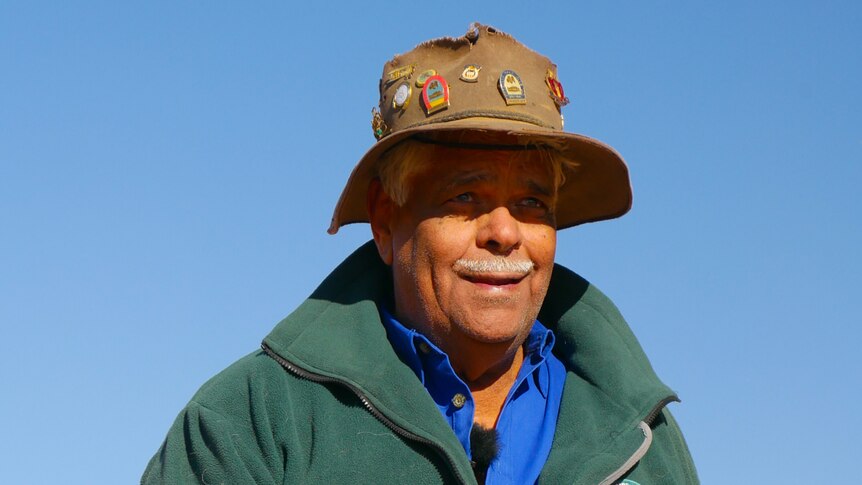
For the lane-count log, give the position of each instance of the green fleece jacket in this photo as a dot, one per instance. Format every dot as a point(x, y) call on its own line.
point(327, 400)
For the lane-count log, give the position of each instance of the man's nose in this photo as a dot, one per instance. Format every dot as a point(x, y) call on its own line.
point(499, 232)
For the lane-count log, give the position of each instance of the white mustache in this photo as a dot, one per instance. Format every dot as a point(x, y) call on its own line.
point(496, 265)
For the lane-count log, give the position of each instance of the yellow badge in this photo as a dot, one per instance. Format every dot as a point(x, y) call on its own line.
point(423, 77)
point(397, 74)
point(470, 74)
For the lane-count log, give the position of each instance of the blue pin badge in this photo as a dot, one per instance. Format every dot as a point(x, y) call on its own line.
point(512, 88)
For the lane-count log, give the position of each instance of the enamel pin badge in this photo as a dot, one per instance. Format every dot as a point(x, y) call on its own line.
point(470, 74)
point(556, 89)
point(423, 77)
point(435, 94)
point(403, 93)
point(377, 124)
point(512, 88)
point(397, 74)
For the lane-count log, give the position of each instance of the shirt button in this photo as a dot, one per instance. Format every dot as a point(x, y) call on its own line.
point(459, 400)
point(424, 348)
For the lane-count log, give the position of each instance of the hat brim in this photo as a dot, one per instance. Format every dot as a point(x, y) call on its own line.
point(598, 188)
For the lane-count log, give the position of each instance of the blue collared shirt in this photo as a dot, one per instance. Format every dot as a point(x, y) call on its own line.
point(529, 417)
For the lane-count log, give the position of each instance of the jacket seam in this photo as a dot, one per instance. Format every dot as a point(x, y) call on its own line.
point(681, 448)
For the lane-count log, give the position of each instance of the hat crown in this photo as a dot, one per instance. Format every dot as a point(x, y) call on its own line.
point(486, 89)
point(471, 67)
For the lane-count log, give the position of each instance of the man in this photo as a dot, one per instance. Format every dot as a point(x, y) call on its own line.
point(420, 359)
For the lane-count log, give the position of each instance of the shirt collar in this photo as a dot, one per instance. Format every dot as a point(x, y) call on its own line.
point(403, 340)
point(537, 348)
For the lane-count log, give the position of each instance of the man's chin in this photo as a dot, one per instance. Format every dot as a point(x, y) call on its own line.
point(489, 331)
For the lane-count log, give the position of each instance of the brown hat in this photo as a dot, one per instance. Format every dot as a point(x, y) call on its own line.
point(488, 89)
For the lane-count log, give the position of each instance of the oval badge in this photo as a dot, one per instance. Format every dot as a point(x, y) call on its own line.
point(512, 88)
point(435, 94)
point(423, 76)
point(402, 96)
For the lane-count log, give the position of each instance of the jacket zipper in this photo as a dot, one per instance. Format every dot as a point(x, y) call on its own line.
point(293, 369)
point(658, 407)
point(644, 447)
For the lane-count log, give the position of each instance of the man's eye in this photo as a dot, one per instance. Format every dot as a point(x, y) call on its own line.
point(465, 197)
point(533, 202)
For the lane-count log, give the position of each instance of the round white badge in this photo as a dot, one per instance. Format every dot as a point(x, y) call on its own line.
point(402, 96)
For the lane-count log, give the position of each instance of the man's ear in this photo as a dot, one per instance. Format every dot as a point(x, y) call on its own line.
point(380, 211)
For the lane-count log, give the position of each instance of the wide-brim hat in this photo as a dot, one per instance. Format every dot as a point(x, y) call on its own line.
point(486, 89)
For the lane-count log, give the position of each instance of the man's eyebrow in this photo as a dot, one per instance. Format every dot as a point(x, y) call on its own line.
point(468, 178)
point(540, 188)
point(476, 176)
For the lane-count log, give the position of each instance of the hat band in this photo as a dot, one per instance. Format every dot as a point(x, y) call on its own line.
point(502, 115)
point(472, 146)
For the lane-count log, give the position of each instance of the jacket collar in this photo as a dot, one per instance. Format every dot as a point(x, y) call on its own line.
point(337, 333)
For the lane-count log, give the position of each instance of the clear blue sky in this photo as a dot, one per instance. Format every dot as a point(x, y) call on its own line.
point(168, 170)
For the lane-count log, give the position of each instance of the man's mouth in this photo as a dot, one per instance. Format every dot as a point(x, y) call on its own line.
point(496, 272)
point(493, 280)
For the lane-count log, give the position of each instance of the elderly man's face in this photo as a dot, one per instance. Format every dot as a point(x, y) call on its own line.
point(472, 249)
